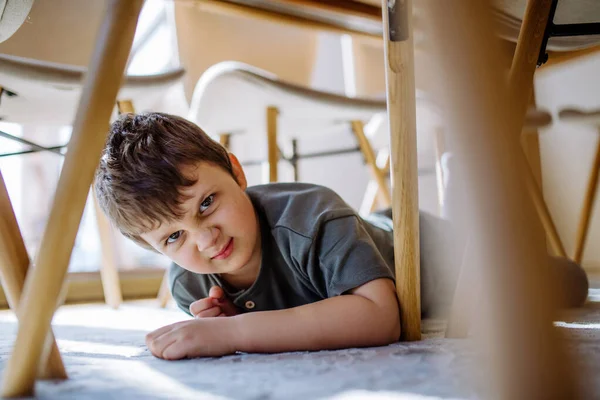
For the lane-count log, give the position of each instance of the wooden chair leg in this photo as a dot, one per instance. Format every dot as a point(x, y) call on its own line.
point(543, 213)
point(526, 358)
point(369, 155)
point(109, 271)
point(401, 107)
point(369, 201)
point(521, 87)
point(14, 263)
point(43, 285)
point(125, 107)
point(272, 149)
point(225, 140)
point(588, 206)
point(164, 294)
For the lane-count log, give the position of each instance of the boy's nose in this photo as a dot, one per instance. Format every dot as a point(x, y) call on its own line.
point(205, 238)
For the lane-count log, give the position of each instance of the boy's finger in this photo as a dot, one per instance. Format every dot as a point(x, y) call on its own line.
point(158, 332)
point(210, 313)
point(221, 300)
point(201, 305)
point(216, 292)
point(227, 306)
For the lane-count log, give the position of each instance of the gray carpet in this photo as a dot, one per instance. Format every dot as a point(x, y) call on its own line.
point(106, 358)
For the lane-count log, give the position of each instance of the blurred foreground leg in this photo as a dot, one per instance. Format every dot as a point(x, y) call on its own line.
point(526, 358)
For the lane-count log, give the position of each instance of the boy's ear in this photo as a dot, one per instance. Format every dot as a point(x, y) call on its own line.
point(238, 172)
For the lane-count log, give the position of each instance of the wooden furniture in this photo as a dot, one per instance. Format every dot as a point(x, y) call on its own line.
point(538, 26)
point(521, 347)
point(576, 116)
point(42, 288)
point(41, 84)
point(279, 109)
point(525, 365)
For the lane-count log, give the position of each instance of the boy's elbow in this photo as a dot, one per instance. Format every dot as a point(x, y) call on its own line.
point(395, 331)
point(387, 327)
point(392, 332)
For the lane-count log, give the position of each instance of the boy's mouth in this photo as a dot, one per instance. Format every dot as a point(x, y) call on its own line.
point(225, 252)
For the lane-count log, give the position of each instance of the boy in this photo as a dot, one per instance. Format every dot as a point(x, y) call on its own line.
point(270, 268)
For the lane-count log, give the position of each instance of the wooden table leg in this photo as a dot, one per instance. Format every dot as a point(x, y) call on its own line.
point(14, 263)
point(43, 285)
point(272, 149)
point(401, 107)
point(588, 206)
point(521, 346)
point(369, 155)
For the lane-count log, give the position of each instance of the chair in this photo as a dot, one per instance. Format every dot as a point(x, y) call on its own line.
point(554, 25)
point(520, 346)
point(219, 105)
point(43, 287)
point(41, 84)
point(286, 50)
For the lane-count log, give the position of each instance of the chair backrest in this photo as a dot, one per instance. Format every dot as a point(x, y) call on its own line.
point(44, 62)
point(207, 36)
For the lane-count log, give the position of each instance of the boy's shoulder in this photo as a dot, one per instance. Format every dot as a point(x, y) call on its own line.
point(300, 207)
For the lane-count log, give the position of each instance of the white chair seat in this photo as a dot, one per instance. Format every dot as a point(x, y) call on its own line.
point(48, 93)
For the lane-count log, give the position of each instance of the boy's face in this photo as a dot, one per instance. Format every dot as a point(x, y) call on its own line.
point(219, 233)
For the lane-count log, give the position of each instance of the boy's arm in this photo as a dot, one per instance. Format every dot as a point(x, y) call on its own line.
point(367, 317)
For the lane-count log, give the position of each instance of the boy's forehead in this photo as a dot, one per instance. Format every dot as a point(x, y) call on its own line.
point(200, 171)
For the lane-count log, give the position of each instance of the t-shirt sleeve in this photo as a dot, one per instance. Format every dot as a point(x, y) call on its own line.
point(347, 257)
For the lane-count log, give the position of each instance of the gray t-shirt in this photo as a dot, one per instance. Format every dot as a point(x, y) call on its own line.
point(314, 246)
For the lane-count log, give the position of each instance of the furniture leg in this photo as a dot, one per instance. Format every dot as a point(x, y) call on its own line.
point(164, 295)
point(369, 155)
point(401, 108)
point(520, 86)
point(14, 263)
point(43, 285)
point(109, 272)
point(526, 357)
point(225, 140)
point(272, 150)
point(588, 206)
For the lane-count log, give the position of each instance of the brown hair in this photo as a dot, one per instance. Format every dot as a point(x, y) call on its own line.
point(138, 180)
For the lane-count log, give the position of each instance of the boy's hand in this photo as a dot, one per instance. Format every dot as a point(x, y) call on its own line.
point(192, 338)
point(215, 305)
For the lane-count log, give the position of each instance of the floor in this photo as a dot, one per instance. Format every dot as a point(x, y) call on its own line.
point(106, 358)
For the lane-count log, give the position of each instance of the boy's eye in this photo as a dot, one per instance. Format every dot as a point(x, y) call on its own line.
point(206, 203)
point(173, 237)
